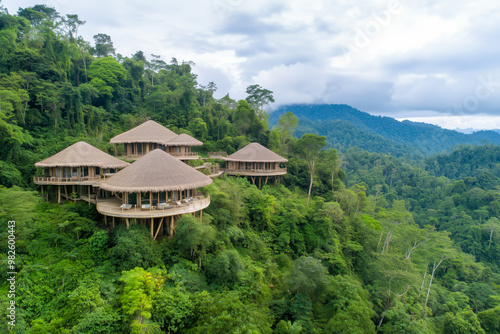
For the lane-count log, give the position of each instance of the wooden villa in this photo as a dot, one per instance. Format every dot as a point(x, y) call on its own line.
point(150, 136)
point(78, 167)
point(155, 190)
point(254, 160)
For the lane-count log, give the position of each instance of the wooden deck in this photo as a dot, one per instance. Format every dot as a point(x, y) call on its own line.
point(82, 181)
point(256, 172)
point(111, 207)
point(185, 155)
point(180, 156)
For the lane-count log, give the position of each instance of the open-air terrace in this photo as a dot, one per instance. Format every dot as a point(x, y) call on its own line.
point(115, 208)
point(256, 171)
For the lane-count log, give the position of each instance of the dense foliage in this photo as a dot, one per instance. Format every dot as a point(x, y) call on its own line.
point(351, 240)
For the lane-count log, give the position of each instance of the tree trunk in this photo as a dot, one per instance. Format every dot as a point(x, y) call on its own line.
point(310, 187)
point(491, 236)
point(434, 268)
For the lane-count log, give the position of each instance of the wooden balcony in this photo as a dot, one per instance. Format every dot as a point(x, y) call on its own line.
point(53, 180)
point(185, 155)
point(114, 208)
point(256, 172)
point(216, 155)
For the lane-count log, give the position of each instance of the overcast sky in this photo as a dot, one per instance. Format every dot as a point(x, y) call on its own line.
point(402, 58)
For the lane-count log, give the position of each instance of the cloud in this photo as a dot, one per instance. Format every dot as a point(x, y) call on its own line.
point(385, 56)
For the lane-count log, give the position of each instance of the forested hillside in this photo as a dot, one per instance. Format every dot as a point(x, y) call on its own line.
point(351, 240)
point(427, 139)
point(342, 135)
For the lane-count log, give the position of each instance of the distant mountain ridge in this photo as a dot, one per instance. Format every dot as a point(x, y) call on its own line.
point(429, 139)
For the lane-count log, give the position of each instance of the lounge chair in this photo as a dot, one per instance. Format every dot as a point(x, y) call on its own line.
point(126, 206)
point(163, 205)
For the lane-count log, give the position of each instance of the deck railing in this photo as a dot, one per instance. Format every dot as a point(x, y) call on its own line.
point(255, 170)
point(115, 208)
point(185, 154)
point(65, 179)
point(216, 154)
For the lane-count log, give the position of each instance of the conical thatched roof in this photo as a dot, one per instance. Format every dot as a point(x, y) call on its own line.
point(255, 152)
point(147, 132)
point(82, 154)
point(154, 172)
point(184, 140)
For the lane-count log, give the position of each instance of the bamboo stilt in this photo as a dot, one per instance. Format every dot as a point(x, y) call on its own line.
point(127, 223)
point(113, 222)
point(171, 232)
point(159, 227)
point(58, 194)
point(152, 226)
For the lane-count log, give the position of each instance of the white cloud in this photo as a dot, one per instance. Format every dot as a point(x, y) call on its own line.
point(386, 56)
point(452, 122)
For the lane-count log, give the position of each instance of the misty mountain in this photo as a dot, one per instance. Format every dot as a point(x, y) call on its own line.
point(427, 138)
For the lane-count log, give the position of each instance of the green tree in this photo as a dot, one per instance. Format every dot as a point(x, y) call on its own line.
point(103, 46)
point(258, 96)
point(308, 276)
point(285, 129)
point(106, 75)
point(243, 117)
point(310, 146)
point(193, 237)
point(138, 294)
point(463, 322)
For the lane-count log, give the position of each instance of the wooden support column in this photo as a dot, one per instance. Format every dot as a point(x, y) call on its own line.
point(266, 180)
point(151, 199)
point(171, 232)
point(42, 190)
point(127, 223)
point(152, 227)
point(105, 220)
point(260, 182)
point(116, 150)
point(66, 191)
point(58, 194)
point(201, 214)
point(89, 195)
point(113, 222)
point(159, 227)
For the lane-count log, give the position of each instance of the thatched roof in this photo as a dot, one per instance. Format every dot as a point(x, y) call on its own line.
point(147, 132)
point(156, 171)
point(184, 140)
point(255, 152)
point(82, 154)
